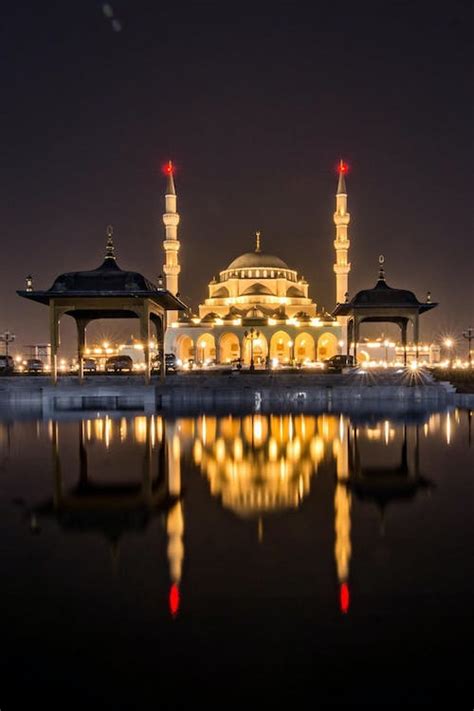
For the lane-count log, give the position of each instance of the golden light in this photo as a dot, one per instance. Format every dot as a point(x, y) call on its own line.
point(448, 342)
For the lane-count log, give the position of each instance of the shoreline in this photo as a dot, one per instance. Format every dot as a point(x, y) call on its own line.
point(231, 391)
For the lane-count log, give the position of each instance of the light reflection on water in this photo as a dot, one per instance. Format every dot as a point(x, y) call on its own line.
point(115, 476)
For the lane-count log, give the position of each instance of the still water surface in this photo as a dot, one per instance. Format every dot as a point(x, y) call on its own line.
point(144, 559)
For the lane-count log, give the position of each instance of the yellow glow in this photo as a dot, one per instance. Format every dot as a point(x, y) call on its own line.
point(196, 320)
point(271, 321)
point(237, 321)
point(220, 450)
point(273, 449)
point(448, 429)
point(238, 450)
point(175, 324)
point(140, 426)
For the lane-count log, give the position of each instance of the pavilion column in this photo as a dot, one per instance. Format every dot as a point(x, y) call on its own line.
point(81, 344)
point(158, 322)
point(54, 339)
point(356, 337)
point(145, 339)
point(404, 326)
point(416, 335)
point(160, 336)
point(350, 336)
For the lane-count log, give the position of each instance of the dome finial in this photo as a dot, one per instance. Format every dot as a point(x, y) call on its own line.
point(381, 269)
point(110, 249)
point(257, 241)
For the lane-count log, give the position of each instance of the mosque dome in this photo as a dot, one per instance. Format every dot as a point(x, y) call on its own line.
point(255, 260)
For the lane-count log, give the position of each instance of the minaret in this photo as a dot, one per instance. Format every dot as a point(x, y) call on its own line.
point(341, 244)
point(171, 245)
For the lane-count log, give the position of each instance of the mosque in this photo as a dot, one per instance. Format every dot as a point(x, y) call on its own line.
point(258, 309)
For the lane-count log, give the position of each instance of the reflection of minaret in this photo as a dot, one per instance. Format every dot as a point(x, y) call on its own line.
point(341, 244)
point(342, 518)
point(171, 243)
point(175, 518)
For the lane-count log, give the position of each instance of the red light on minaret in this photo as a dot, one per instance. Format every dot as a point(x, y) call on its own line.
point(168, 168)
point(344, 598)
point(342, 168)
point(174, 600)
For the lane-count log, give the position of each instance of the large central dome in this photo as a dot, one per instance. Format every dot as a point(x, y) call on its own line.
point(257, 259)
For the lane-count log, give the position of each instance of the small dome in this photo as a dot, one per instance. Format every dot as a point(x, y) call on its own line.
point(258, 260)
point(255, 313)
point(257, 290)
point(209, 317)
point(303, 316)
point(221, 293)
point(294, 291)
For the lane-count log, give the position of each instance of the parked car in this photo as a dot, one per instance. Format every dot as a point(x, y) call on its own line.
point(171, 363)
point(7, 365)
point(119, 364)
point(90, 365)
point(337, 362)
point(34, 366)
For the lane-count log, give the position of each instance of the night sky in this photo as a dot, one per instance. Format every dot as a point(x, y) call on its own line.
point(255, 106)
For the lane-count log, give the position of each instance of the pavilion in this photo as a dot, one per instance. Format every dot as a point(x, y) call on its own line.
point(105, 292)
point(383, 304)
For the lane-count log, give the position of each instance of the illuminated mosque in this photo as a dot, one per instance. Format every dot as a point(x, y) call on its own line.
point(259, 307)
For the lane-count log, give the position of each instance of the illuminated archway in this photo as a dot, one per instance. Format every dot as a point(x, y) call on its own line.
point(260, 350)
point(205, 348)
point(327, 346)
point(229, 347)
point(184, 348)
point(304, 348)
point(280, 347)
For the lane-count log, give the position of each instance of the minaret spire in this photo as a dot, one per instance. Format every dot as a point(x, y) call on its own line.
point(257, 241)
point(341, 244)
point(171, 244)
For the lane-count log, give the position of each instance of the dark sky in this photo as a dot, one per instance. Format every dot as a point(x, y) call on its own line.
point(255, 106)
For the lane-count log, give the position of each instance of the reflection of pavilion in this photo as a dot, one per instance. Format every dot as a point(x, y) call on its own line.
point(385, 484)
point(118, 508)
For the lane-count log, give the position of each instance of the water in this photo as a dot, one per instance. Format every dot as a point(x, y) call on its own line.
point(146, 560)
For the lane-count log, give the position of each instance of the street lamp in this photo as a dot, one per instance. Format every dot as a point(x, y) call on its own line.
point(448, 342)
point(469, 335)
point(7, 337)
point(252, 334)
point(291, 353)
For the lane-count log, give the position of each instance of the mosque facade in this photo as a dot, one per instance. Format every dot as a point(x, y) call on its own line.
point(258, 310)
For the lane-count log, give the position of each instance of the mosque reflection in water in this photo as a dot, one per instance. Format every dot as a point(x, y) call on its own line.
point(256, 466)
